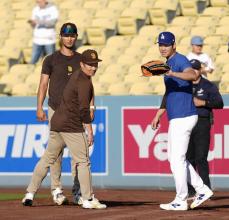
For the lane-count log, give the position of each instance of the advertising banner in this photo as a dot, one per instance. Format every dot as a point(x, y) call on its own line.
point(23, 140)
point(144, 151)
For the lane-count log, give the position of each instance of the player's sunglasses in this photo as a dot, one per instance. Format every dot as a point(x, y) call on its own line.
point(92, 64)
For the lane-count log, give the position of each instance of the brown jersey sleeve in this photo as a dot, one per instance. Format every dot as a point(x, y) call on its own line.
point(47, 65)
point(85, 95)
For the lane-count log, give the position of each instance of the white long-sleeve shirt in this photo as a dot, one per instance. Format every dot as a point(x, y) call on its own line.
point(46, 18)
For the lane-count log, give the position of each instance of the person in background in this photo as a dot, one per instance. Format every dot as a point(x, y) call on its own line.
point(43, 21)
point(207, 65)
point(206, 98)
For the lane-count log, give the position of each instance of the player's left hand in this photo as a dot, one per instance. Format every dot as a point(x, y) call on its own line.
point(198, 102)
point(92, 114)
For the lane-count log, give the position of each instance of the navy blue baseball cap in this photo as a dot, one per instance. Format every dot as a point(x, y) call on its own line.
point(68, 29)
point(166, 37)
point(195, 64)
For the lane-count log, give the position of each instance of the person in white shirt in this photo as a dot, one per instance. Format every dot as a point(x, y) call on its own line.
point(197, 47)
point(44, 18)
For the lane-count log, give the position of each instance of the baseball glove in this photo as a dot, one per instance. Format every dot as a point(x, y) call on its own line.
point(154, 68)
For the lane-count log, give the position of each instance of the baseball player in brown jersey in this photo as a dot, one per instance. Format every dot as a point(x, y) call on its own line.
point(68, 126)
point(57, 69)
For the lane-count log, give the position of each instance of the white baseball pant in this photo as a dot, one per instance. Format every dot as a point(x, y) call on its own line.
point(178, 138)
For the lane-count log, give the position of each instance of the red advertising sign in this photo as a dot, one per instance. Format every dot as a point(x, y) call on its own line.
point(145, 150)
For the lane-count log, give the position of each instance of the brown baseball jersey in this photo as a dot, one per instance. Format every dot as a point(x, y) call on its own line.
point(74, 109)
point(59, 68)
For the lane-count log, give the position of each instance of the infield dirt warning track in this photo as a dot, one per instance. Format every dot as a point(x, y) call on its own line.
point(122, 204)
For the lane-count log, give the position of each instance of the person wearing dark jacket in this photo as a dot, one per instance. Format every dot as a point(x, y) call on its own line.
point(206, 97)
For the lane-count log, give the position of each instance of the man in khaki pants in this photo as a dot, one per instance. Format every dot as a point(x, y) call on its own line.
point(68, 126)
point(57, 69)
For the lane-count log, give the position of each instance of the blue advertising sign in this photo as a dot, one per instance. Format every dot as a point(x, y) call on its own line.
point(23, 140)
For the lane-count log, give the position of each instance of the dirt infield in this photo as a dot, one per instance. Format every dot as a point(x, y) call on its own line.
point(122, 204)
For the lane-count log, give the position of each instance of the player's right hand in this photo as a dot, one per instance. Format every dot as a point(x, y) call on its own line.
point(155, 123)
point(90, 139)
point(41, 116)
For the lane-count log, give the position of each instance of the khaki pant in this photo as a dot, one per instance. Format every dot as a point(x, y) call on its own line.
point(77, 144)
point(55, 169)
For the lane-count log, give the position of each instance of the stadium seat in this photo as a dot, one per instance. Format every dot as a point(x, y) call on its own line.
point(138, 51)
point(188, 8)
point(119, 4)
point(219, 3)
point(131, 20)
point(185, 40)
point(202, 30)
point(118, 89)
point(133, 78)
point(73, 4)
point(183, 20)
point(110, 78)
point(155, 80)
point(143, 41)
point(126, 59)
point(113, 13)
point(183, 49)
point(223, 49)
point(119, 41)
point(225, 69)
point(179, 31)
point(21, 89)
point(95, 4)
point(224, 87)
point(216, 40)
point(80, 16)
point(141, 88)
point(216, 11)
point(135, 69)
point(100, 88)
point(116, 69)
point(22, 70)
point(222, 58)
point(149, 57)
point(222, 30)
point(158, 16)
point(224, 21)
point(159, 89)
point(151, 30)
point(146, 4)
point(22, 4)
point(207, 20)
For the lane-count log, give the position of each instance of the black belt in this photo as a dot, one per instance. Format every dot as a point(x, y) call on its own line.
point(204, 117)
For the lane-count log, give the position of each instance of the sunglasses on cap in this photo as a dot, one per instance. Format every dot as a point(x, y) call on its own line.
point(69, 35)
point(68, 30)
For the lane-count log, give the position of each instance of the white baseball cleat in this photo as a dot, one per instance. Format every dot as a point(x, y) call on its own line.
point(175, 206)
point(201, 197)
point(28, 199)
point(93, 204)
point(58, 197)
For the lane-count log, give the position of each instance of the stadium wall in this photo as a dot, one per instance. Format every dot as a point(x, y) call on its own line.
point(127, 153)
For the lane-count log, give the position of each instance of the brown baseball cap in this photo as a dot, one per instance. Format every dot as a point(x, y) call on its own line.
point(90, 56)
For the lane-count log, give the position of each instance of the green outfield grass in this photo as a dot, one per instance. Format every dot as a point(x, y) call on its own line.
point(15, 196)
